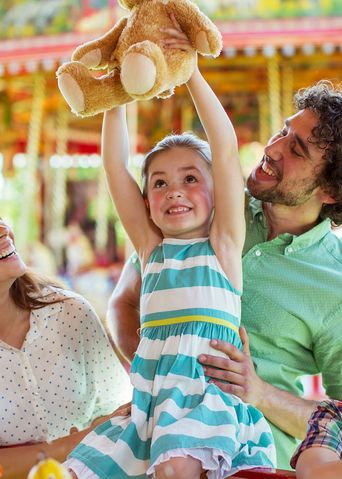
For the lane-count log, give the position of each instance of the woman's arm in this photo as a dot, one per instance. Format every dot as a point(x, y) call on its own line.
point(123, 188)
point(16, 461)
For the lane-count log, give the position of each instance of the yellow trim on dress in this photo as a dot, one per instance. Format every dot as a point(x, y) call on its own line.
point(189, 319)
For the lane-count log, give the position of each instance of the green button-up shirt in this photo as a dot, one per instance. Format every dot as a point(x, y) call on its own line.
point(292, 309)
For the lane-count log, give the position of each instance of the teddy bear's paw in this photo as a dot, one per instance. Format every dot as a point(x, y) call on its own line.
point(208, 44)
point(91, 59)
point(138, 74)
point(166, 93)
point(71, 91)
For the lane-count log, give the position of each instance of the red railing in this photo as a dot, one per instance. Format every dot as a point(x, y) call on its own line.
point(265, 474)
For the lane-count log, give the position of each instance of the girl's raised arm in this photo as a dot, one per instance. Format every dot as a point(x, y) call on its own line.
point(227, 233)
point(227, 174)
point(123, 188)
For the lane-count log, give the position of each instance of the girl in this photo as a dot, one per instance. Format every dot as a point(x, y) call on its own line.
point(181, 425)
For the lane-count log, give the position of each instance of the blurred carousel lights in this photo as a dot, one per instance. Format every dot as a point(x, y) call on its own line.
point(14, 68)
point(229, 52)
point(269, 51)
point(48, 64)
point(75, 161)
point(19, 160)
point(31, 66)
point(288, 50)
point(308, 49)
point(250, 51)
point(328, 48)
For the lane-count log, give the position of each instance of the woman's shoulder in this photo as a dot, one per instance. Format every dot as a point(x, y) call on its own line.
point(68, 299)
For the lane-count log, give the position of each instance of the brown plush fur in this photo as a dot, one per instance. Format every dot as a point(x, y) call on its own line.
point(128, 49)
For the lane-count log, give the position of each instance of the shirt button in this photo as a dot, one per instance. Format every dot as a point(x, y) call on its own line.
point(290, 249)
point(258, 252)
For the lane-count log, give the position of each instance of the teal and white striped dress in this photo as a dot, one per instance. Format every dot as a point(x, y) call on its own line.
point(186, 300)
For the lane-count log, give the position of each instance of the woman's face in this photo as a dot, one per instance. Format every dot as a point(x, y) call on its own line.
point(11, 264)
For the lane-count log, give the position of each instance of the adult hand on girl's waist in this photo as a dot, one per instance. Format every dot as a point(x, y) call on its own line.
point(236, 373)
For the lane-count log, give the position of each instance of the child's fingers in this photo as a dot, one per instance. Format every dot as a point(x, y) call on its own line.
point(175, 22)
point(173, 33)
point(177, 44)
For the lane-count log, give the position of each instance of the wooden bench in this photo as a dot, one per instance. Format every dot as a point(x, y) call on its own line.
point(260, 473)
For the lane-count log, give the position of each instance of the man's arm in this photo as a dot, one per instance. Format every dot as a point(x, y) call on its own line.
point(290, 413)
point(123, 312)
point(319, 463)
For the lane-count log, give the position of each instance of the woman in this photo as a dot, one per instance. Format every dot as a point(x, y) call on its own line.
point(59, 373)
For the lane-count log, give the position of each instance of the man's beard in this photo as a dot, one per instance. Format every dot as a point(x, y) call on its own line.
point(292, 195)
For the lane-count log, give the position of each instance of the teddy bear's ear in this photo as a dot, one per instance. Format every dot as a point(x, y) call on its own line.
point(129, 4)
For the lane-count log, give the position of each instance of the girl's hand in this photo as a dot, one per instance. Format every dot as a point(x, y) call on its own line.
point(176, 37)
point(124, 410)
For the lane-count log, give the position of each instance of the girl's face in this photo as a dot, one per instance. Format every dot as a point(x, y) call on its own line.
point(11, 264)
point(180, 193)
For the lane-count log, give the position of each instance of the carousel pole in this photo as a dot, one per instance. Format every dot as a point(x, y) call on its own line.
point(264, 127)
point(28, 224)
point(101, 212)
point(187, 115)
point(59, 180)
point(287, 82)
point(274, 96)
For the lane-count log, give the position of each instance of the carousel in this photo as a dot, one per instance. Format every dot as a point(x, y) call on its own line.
point(52, 186)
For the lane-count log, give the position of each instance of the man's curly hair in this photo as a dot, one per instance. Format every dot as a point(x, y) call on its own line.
point(325, 99)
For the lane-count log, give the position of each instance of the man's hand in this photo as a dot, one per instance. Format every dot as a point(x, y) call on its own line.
point(288, 412)
point(238, 369)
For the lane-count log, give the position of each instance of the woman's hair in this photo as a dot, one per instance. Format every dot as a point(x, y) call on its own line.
point(27, 291)
point(325, 99)
point(185, 140)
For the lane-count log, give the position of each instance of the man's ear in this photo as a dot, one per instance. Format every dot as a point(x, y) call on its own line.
point(327, 199)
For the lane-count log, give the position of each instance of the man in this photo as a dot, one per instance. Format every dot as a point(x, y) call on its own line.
point(292, 303)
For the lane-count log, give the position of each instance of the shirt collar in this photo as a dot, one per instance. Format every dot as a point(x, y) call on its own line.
point(40, 317)
point(304, 240)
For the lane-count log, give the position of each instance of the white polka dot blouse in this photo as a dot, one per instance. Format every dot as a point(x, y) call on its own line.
point(65, 374)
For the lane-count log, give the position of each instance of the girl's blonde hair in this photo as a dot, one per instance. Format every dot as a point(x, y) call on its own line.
point(185, 140)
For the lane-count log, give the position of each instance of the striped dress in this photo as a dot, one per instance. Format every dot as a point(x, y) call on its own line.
point(186, 300)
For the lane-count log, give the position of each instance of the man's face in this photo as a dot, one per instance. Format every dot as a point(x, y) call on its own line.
point(290, 169)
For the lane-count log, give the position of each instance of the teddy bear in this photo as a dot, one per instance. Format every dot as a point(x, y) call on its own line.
point(138, 67)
